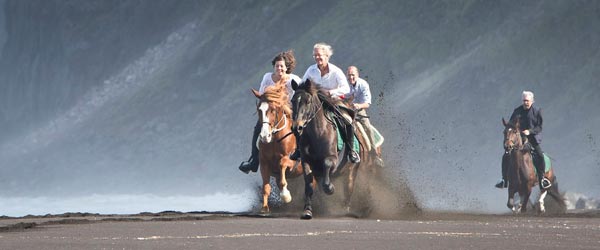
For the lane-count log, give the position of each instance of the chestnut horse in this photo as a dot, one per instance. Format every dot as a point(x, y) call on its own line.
point(318, 144)
point(521, 171)
point(276, 142)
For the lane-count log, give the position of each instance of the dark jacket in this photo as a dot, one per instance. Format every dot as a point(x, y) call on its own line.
point(529, 119)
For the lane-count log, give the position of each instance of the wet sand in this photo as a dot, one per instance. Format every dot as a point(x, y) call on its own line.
point(173, 230)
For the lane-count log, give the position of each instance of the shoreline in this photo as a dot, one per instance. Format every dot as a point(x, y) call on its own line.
point(29, 222)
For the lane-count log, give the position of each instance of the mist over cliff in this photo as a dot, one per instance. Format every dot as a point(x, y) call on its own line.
point(152, 98)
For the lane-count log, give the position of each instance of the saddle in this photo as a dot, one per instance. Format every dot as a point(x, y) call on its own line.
point(531, 151)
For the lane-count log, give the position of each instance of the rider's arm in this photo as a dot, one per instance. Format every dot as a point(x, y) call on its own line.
point(538, 126)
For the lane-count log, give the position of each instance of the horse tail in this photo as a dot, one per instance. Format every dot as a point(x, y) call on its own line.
point(557, 197)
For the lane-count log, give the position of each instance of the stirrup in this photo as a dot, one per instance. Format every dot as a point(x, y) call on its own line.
point(545, 183)
point(502, 184)
point(354, 157)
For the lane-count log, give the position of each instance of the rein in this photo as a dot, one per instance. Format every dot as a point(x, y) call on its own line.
point(313, 113)
point(285, 122)
point(517, 144)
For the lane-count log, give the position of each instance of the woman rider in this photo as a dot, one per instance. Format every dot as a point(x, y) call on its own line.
point(283, 66)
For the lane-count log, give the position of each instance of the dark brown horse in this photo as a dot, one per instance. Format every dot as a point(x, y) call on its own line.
point(276, 142)
point(318, 144)
point(521, 171)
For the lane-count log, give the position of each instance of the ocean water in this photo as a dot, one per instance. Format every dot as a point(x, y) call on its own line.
point(124, 204)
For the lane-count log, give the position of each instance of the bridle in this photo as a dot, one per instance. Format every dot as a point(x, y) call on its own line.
point(276, 128)
point(313, 110)
point(514, 142)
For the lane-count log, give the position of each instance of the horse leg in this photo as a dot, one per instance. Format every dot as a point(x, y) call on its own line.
point(525, 199)
point(309, 187)
point(349, 188)
point(266, 192)
point(329, 164)
point(543, 194)
point(511, 200)
point(285, 195)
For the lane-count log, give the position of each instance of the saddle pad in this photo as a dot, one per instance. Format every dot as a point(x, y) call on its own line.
point(548, 164)
point(377, 137)
point(340, 142)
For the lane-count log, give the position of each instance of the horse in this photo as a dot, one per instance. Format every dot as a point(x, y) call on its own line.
point(318, 144)
point(521, 171)
point(276, 142)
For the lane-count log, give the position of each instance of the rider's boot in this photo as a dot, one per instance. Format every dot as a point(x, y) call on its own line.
point(541, 169)
point(252, 163)
point(503, 183)
point(352, 155)
point(249, 165)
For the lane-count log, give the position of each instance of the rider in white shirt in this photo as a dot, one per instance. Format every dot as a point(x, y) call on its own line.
point(333, 79)
point(268, 81)
point(283, 66)
point(361, 93)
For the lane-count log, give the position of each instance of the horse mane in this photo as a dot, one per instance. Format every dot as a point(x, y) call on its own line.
point(278, 96)
point(515, 123)
point(322, 94)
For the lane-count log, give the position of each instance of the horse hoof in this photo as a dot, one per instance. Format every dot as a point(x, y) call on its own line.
point(285, 195)
point(329, 189)
point(307, 215)
point(265, 210)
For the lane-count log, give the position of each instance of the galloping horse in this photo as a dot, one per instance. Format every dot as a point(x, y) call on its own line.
point(318, 142)
point(521, 171)
point(276, 141)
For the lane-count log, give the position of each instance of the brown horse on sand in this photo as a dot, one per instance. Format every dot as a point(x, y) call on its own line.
point(320, 158)
point(521, 171)
point(276, 142)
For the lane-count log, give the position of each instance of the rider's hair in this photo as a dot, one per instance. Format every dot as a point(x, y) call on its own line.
point(288, 58)
point(528, 94)
point(325, 47)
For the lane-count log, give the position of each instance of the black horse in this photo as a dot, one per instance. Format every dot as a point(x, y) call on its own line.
point(316, 131)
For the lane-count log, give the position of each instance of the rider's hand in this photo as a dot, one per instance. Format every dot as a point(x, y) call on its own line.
point(526, 132)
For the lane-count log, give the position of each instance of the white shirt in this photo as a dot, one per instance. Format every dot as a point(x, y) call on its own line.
point(335, 81)
point(268, 81)
point(360, 91)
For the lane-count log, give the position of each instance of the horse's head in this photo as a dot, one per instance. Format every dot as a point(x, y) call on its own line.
point(512, 136)
point(272, 110)
point(304, 105)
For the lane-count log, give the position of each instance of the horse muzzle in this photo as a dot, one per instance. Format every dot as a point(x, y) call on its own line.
point(298, 128)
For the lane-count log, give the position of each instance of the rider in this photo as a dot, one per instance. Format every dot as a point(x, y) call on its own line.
point(330, 77)
point(530, 120)
point(359, 89)
point(283, 66)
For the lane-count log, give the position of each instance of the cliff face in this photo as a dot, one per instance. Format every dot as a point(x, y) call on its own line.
point(153, 96)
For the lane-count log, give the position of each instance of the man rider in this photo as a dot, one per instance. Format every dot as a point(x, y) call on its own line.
point(359, 89)
point(331, 78)
point(530, 121)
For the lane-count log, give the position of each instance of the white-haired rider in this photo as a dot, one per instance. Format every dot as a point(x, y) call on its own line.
point(530, 121)
point(333, 79)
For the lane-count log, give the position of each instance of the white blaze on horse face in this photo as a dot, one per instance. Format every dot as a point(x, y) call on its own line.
point(265, 131)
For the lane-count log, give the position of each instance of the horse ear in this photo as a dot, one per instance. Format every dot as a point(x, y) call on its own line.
point(504, 122)
point(307, 82)
point(255, 92)
point(294, 85)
